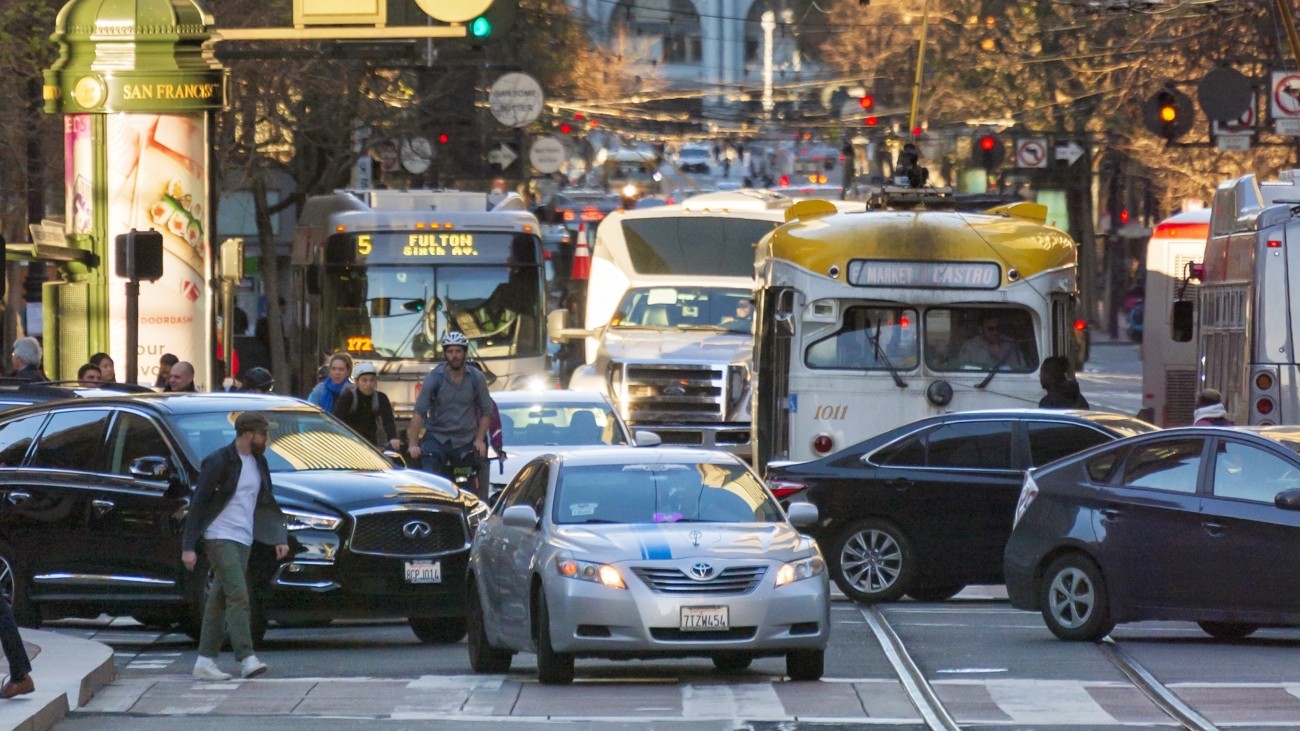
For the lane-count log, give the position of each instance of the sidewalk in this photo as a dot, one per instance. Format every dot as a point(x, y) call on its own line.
point(68, 671)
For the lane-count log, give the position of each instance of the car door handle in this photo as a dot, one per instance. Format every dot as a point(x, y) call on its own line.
point(1111, 513)
point(102, 506)
point(18, 496)
point(1213, 527)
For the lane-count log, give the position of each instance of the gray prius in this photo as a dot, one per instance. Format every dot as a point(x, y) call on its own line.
point(636, 553)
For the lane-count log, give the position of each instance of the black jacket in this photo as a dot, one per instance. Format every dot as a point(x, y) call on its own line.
point(1064, 395)
point(218, 478)
point(367, 414)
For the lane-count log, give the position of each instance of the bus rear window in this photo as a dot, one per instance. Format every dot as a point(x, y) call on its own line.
point(712, 245)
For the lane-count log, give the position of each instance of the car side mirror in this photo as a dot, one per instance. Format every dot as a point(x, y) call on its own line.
point(1183, 318)
point(520, 516)
point(1288, 499)
point(395, 458)
point(802, 515)
point(644, 438)
point(149, 468)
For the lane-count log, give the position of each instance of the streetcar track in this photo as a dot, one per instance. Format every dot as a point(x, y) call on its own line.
point(1155, 691)
point(918, 689)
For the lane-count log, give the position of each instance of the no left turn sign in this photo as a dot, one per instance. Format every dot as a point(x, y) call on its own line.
point(1031, 153)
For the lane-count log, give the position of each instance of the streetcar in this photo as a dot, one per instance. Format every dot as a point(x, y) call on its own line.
point(382, 275)
point(870, 320)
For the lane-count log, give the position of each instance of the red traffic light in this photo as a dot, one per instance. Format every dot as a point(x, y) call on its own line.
point(987, 143)
point(1123, 216)
point(867, 101)
point(916, 131)
point(443, 138)
point(872, 121)
point(566, 128)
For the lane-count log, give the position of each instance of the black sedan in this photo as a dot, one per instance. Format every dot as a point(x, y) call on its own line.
point(94, 493)
point(1196, 524)
point(925, 509)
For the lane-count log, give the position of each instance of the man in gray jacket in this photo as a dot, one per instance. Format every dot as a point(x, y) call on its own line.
point(231, 508)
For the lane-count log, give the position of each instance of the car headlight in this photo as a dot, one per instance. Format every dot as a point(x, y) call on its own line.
point(302, 520)
point(478, 512)
point(798, 570)
point(596, 573)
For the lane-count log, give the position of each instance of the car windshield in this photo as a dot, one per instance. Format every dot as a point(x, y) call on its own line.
point(720, 308)
point(560, 424)
point(662, 493)
point(297, 440)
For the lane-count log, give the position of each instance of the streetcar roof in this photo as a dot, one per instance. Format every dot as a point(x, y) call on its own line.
point(821, 242)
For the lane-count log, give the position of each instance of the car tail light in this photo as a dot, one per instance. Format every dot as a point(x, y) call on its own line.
point(1264, 406)
point(1028, 492)
point(823, 444)
point(1263, 380)
point(782, 489)
point(568, 215)
point(1080, 325)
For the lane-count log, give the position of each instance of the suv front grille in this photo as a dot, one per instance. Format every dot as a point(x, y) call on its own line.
point(384, 533)
point(730, 581)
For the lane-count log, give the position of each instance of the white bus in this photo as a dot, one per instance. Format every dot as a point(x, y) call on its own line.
point(867, 321)
point(1169, 366)
point(382, 275)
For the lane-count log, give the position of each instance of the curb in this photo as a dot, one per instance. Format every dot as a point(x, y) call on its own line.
point(68, 672)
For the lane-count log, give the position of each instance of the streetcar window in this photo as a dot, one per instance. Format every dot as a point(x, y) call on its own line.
point(980, 339)
point(869, 338)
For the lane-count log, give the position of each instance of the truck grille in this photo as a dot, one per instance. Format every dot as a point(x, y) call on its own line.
point(384, 533)
point(732, 580)
point(668, 393)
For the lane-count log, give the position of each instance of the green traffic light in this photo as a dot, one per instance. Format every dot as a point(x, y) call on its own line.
point(480, 28)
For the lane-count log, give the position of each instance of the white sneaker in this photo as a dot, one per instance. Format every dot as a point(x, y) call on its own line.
point(205, 668)
point(252, 667)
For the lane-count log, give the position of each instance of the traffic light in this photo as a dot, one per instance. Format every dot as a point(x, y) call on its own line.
point(493, 23)
point(32, 283)
point(1168, 113)
point(443, 138)
point(988, 152)
point(872, 120)
point(867, 102)
point(566, 128)
point(140, 255)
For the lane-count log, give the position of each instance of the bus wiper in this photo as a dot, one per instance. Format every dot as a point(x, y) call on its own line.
point(994, 371)
point(880, 355)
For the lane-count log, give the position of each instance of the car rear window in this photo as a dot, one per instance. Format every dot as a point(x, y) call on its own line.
point(662, 493)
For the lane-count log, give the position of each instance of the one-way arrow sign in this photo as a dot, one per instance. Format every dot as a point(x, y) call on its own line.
point(503, 156)
point(1070, 152)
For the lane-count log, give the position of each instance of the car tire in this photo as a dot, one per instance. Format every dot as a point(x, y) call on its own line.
point(14, 586)
point(438, 630)
point(1074, 600)
point(1228, 630)
point(553, 668)
point(732, 662)
point(935, 593)
point(805, 664)
point(872, 561)
point(483, 657)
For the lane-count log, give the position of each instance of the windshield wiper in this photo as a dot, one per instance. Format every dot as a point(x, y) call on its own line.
point(880, 355)
point(994, 370)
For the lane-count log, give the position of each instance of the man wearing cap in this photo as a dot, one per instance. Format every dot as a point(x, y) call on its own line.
point(367, 409)
point(231, 508)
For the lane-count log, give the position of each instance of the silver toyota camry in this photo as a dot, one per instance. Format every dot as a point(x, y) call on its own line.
point(635, 553)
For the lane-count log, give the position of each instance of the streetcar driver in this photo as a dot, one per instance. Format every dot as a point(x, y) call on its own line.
point(991, 348)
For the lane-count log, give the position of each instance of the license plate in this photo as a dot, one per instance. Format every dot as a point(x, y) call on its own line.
point(424, 572)
point(704, 619)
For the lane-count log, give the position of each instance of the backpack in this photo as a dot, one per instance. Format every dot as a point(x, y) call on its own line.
point(356, 396)
point(494, 435)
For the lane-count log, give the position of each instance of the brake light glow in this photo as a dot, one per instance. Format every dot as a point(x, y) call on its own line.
point(782, 489)
point(1274, 244)
point(1080, 325)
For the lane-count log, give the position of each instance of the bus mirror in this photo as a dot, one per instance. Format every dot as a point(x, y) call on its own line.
point(1183, 316)
point(381, 307)
point(556, 322)
point(784, 312)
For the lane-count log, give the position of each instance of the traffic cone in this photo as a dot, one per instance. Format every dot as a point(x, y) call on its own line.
point(581, 256)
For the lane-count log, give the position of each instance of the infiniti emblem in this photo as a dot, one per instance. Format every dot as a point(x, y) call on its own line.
point(701, 571)
point(416, 529)
point(674, 390)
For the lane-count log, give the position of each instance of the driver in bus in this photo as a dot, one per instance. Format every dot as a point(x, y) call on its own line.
point(991, 348)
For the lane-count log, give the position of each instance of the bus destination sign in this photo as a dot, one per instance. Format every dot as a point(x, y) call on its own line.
point(427, 244)
point(924, 274)
point(432, 247)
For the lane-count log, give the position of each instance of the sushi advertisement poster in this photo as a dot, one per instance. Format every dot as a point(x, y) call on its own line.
point(157, 179)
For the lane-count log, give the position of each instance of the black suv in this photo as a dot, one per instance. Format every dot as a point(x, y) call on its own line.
point(15, 392)
point(94, 493)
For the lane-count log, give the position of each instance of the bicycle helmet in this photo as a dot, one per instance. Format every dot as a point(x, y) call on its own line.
point(258, 379)
point(364, 369)
point(455, 337)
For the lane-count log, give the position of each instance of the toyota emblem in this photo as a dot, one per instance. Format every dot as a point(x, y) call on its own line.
point(701, 571)
point(416, 529)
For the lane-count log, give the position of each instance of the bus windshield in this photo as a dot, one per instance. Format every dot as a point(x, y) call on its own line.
point(401, 312)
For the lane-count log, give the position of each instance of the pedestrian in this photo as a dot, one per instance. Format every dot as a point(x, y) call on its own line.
point(88, 376)
point(367, 409)
point(181, 378)
point(19, 681)
point(165, 364)
point(1210, 410)
point(26, 359)
point(104, 362)
point(336, 377)
point(255, 380)
point(449, 418)
point(1062, 390)
point(232, 507)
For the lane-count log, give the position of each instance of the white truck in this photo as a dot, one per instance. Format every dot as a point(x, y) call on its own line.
point(668, 339)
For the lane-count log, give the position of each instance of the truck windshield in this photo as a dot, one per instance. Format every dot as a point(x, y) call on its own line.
point(671, 308)
point(704, 245)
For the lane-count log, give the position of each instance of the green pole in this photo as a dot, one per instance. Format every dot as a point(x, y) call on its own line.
point(137, 83)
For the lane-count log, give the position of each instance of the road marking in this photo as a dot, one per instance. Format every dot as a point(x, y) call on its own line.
point(757, 701)
point(1047, 701)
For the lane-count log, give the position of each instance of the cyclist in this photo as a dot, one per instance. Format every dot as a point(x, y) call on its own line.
point(453, 410)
